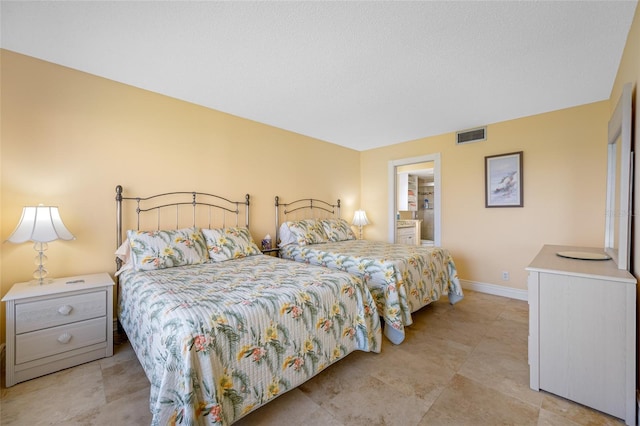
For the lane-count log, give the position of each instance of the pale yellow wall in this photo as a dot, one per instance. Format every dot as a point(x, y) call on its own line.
point(629, 72)
point(564, 191)
point(415, 166)
point(68, 138)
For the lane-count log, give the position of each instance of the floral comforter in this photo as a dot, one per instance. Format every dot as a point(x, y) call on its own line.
point(218, 340)
point(401, 278)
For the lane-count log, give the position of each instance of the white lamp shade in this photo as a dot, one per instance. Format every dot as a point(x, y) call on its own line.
point(40, 224)
point(360, 218)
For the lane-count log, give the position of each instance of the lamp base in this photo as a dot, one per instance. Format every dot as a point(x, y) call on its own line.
point(40, 274)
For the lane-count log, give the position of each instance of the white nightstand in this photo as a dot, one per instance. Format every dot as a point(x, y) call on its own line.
point(58, 325)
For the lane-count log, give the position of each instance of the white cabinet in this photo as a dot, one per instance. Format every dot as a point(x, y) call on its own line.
point(408, 234)
point(57, 325)
point(582, 331)
point(407, 192)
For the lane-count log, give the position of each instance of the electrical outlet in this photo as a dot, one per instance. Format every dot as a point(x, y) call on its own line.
point(505, 276)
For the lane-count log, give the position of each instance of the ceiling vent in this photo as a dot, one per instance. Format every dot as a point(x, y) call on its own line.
point(472, 135)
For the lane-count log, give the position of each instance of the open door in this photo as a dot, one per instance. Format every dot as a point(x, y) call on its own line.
point(435, 204)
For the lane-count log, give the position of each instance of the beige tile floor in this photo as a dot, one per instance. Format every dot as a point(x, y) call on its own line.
point(459, 365)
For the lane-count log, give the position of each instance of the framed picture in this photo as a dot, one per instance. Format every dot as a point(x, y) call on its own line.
point(503, 180)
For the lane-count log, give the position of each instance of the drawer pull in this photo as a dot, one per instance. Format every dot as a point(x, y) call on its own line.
point(64, 338)
point(65, 310)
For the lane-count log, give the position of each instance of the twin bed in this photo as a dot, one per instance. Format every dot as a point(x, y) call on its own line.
point(221, 329)
point(401, 278)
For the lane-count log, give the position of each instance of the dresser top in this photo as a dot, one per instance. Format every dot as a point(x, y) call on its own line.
point(548, 260)
point(58, 286)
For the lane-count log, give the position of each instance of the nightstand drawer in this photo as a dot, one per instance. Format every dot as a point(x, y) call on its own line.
point(42, 314)
point(43, 343)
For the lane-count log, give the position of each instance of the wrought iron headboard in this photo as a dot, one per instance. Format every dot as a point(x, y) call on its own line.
point(304, 204)
point(161, 203)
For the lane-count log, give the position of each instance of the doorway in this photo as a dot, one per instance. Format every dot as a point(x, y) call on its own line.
point(415, 164)
point(420, 210)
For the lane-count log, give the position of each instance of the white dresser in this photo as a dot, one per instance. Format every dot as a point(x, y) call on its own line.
point(582, 331)
point(57, 325)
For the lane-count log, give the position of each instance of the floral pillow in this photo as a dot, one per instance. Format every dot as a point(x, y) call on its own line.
point(229, 243)
point(337, 230)
point(307, 231)
point(166, 249)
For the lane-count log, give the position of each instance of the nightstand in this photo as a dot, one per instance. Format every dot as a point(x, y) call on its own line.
point(58, 325)
point(271, 252)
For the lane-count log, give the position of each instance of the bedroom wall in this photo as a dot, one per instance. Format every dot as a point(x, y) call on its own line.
point(629, 71)
point(564, 191)
point(68, 138)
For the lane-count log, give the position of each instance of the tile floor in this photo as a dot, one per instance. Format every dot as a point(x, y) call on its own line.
point(459, 365)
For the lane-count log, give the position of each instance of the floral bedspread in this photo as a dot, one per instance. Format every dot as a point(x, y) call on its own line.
point(401, 278)
point(218, 340)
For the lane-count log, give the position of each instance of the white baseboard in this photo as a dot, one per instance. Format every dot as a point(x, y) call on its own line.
point(497, 290)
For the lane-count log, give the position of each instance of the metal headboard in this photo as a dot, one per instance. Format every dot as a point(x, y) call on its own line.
point(163, 203)
point(304, 204)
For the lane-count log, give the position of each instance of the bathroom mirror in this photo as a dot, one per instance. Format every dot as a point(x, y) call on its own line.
point(619, 166)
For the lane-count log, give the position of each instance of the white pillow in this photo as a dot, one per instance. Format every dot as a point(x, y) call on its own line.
point(286, 237)
point(124, 254)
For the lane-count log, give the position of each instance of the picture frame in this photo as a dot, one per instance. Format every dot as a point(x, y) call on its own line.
point(503, 180)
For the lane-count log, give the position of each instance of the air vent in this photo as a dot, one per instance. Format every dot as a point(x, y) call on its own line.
point(472, 135)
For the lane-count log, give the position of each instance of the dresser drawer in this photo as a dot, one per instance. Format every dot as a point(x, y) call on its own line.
point(41, 314)
point(51, 341)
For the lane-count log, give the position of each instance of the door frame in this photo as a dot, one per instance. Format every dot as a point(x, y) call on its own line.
point(393, 199)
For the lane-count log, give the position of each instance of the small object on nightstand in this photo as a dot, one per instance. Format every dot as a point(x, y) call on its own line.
point(266, 243)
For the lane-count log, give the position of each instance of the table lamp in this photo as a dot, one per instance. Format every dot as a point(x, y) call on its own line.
point(360, 220)
point(41, 224)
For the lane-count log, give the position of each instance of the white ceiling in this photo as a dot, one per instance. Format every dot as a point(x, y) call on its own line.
point(357, 74)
